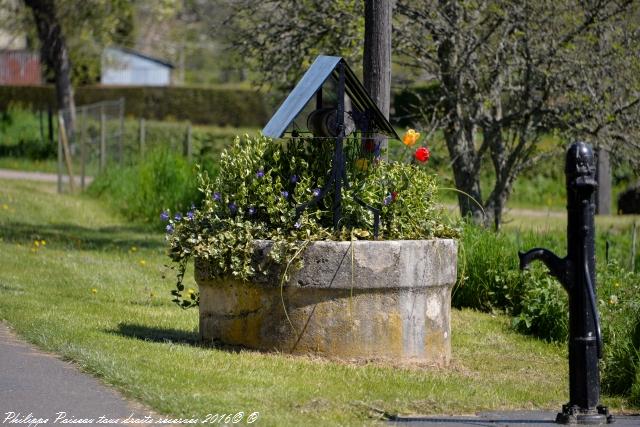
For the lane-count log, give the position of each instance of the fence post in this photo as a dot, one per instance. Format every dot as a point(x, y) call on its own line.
point(633, 247)
point(142, 136)
point(120, 135)
point(83, 146)
point(59, 152)
point(103, 138)
point(50, 123)
point(65, 148)
point(188, 146)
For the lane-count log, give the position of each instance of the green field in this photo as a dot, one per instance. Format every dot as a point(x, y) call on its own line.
point(95, 290)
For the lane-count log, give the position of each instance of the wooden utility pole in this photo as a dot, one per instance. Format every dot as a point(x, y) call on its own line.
point(377, 52)
point(603, 173)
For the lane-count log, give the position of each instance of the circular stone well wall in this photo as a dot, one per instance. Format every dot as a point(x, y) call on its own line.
point(360, 300)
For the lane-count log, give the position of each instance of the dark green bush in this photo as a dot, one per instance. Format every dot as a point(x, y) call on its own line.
point(223, 106)
point(163, 180)
point(619, 304)
point(488, 274)
point(22, 134)
point(489, 279)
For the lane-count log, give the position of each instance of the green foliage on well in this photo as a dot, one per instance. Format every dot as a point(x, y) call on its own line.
point(162, 180)
point(223, 106)
point(260, 184)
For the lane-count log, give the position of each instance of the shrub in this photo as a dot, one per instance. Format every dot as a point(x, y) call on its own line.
point(162, 180)
point(260, 184)
point(223, 106)
point(489, 279)
point(21, 135)
point(619, 305)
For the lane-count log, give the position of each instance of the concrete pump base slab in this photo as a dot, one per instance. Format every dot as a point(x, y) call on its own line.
point(369, 299)
point(499, 419)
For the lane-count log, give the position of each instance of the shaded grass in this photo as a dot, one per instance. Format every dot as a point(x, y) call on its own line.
point(99, 305)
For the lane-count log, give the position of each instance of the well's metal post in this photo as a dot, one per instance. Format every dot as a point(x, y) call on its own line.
point(577, 273)
point(338, 169)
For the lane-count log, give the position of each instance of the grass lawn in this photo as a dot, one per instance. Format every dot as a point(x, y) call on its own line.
point(93, 289)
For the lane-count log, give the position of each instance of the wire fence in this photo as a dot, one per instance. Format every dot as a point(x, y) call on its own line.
point(96, 141)
point(102, 139)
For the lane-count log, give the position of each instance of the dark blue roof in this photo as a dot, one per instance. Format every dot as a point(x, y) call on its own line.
point(321, 69)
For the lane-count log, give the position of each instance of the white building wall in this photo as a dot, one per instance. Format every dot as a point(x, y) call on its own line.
point(122, 68)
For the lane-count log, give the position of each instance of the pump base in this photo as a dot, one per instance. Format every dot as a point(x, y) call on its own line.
point(576, 415)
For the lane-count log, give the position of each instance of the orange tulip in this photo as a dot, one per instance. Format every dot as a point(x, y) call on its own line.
point(410, 138)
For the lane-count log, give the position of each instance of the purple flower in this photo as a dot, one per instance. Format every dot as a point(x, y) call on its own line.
point(285, 194)
point(297, 225)
point(169, 228)
point(316, 192)
point(177, 216)
point(388, 199)
point(217, 196)
point(190, 215)
point(251, 211)
point(294, 179)
point(233, 207)
point(164, 216)
point(260, 173)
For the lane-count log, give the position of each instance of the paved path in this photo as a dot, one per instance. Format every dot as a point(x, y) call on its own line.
point(36, 385)
point(39, 176)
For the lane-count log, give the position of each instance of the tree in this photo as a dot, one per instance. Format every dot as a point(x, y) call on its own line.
point(510, 71)
point(71, 37)
point(279, 39)
point(55, 55)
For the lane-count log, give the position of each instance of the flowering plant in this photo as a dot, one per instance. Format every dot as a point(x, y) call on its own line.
point(259, 186)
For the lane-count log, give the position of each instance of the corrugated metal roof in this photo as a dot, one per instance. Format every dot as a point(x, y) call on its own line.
point(142, 55)
point(321, 69)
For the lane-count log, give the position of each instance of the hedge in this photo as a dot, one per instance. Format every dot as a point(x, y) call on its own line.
point(217, 106)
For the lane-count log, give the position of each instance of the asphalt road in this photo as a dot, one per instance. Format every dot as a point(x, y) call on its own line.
point(35, 385)
point(40, 176)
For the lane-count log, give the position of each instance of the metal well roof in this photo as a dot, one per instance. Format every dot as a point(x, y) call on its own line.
point(321, 69)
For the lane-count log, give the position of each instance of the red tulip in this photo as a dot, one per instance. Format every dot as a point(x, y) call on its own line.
point(422, 154)
point(370, 146)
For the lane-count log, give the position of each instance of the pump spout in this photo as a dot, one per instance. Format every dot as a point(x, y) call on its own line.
point(557, 266)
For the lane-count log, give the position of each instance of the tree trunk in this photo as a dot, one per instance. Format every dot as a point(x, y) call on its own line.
point(377, 52)
point(603, 175)
point(459, 131)
point(460, 143)
point(55, 55)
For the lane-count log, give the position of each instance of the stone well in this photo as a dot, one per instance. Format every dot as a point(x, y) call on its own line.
point(384, 299)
